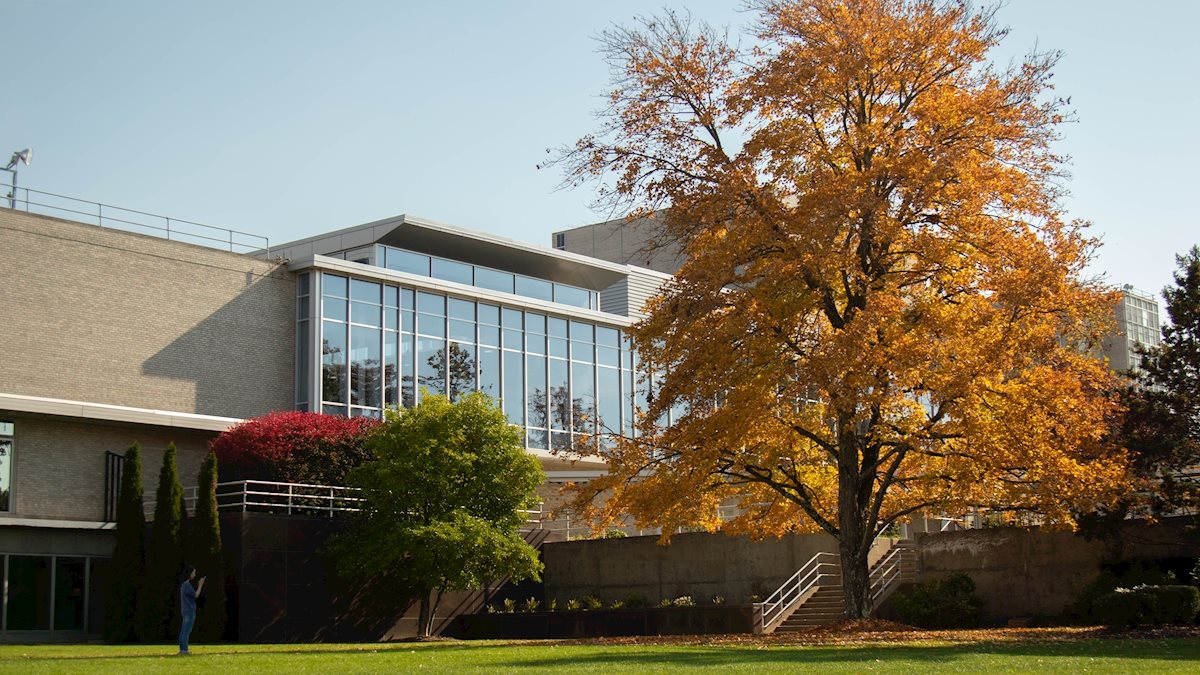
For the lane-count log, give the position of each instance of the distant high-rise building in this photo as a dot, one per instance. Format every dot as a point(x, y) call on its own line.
point(1137, 326)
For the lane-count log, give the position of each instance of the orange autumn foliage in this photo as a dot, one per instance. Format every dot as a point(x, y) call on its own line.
point(882, 308)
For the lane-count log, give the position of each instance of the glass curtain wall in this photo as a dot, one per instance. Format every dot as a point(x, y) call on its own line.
point(51, 593)
point(381, 346)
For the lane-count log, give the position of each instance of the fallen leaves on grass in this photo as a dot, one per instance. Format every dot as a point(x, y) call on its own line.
point(875, 631)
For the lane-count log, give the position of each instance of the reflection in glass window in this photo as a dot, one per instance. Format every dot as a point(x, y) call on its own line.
point(449, 270)
point(489, 372)
point(560, 395)
point(333, 362)
point(391, 369)
point(583, 398)
point(431, 365)
point(408, 394)
point(460, 370)
point(569, 295)
point(365, 374)
point(608, 400)
point(535, 288)
point(535, 391)
point(334, 286)
point(514, 392)
point(493, 280)
point(405, 261)
point(6, 456)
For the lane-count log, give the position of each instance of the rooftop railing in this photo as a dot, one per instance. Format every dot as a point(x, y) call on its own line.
point(141, 222)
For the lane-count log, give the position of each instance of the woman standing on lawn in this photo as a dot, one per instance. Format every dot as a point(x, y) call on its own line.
point(187, 606)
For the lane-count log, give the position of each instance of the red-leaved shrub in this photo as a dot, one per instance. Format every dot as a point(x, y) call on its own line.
point(294, 447)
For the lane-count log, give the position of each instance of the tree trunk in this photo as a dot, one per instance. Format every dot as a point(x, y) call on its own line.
point(856, 581)
point(853, 542)
point(425, 616)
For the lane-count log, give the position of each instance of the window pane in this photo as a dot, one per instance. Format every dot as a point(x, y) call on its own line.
point(303, 361)
point(569, 295)
point(431, 365)
point(302, 284)
point(334, 308)
point(608, 400)
point(391, 369)
point(405, 261)
point(461, 370)
point(361, 312)
point(514, 393)
point(334, 410)
point(431, 304)
point(69, 587)
point(560, 395)
point(6, 456)
point(608, 337)
point(535, 288)
point(535, 344)
point(364, 291)
point(535, 323)
point(408, 391)
point(556, 327)
point(450, 270)
point(489, 372)
point(334, 286)
point(406, 298)
point(98, 584)
point(365, 376)
point(489, 314)
point(391, 296)
point(535, 390)
point(428, 324)
point(583, 397)
point(493, 280)
point(460, 309)
point(462, 330)
point(607, 356)
point(333, 362)
point(28, 592)
point(558, 347)
point(489, 335)
point(537, 439)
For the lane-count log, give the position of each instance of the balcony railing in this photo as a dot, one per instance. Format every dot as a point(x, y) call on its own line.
point(260, 496)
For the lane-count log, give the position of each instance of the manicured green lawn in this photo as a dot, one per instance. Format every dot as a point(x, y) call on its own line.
point(1091, 656)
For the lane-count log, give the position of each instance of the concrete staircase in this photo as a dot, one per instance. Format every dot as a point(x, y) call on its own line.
point(825, 606)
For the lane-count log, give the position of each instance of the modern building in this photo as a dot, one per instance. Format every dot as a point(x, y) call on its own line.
point(1137, 327)
point(113, 337)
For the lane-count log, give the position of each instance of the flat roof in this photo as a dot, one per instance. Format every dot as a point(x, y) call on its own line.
point(456, 243)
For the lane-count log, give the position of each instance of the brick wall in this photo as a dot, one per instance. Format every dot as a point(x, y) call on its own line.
point(102, 315)
point(59, 463)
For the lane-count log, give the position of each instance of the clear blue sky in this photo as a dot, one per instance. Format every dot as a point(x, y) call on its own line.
point(289, 118)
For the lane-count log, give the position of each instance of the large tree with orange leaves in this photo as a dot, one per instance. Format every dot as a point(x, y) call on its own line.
point(882, 310)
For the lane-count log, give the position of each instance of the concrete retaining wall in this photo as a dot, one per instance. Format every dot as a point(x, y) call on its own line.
point(1027, 572)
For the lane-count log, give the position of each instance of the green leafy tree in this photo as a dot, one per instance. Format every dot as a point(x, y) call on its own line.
point(204, 551)
point(129, 553)
point(164, 559)
point(444, 499)
point(1162, 420)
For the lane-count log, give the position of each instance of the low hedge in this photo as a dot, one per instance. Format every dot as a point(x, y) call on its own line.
point(1148, 605)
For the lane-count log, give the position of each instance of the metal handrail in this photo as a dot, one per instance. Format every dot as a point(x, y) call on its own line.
point(886, 572)
point(294, 498)
point(210, 235)
point(794, 588)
